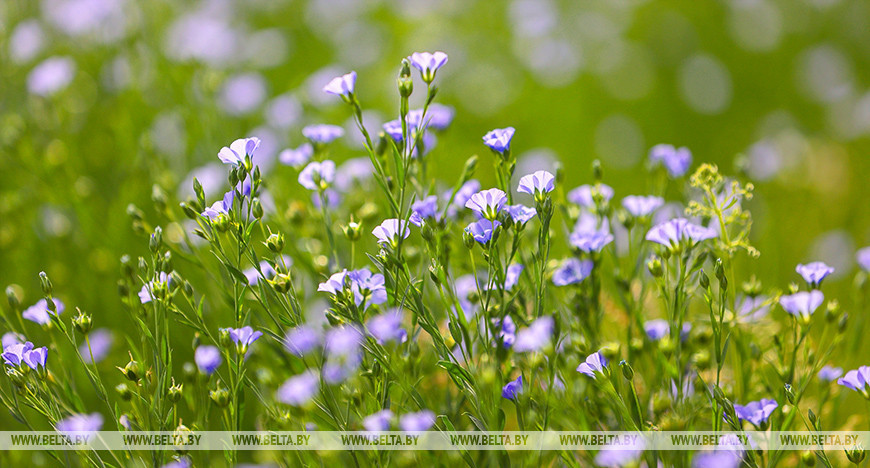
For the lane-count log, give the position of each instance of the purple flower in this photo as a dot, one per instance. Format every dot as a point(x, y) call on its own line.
point(487, 202)
point(24, 353)
point(80, 423)
point(389, 231)
point(393, 129)
point(499, 140)
point(101, 344)
point(426, 208)
point(614, 455)
point(439, 116)
point(830, 373)
point(265, 270)
point(717, 459)
point(387, 327)
point(39, 312)
point(417, 422)
point(675, 160)
point(752, 309)
point(462, 196)
point(244, 337)
point(572, 271)
point(235, 154)
point(354, 170)
point(813, 273)
point(512, 389)
point(863, 257)
point(183, 462)
point(367, 287)
point(146, 293)
point(343, 355)
point(482, 229)
point(334, 284)
point(51, 76)
point(590, 241)
point(595, 363)
point(536, 337)
point(802, 304)
point(857, 380)
point(220, 207)
point(585, 195)
point(507, 331)
point(341, 85)
point(299, 390)
point(521, 214)
point(641, 206)
point(679, 230)
point(207, 358)
point(428, 63)
point(297, 157)
point(537, 184)
point(317, 175)
point(659, 328)
point(322, 134)
point(11, 338)
point(379, 421)
point(301, 340)
point(512, 275)
point(756, 412)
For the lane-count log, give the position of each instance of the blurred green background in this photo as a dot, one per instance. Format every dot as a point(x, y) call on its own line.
point(100, 99)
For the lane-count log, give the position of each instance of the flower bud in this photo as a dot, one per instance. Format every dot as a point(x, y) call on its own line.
point(197, 189)
point(468, 240)
point(257, 209)
point(627, 371)
point(224, 338)
point(82, 322)
point(832, 312)
point(135, 213)
point(281, 282)
point(158, 196)
point(188, 370)
point(175, 391)
point(702, 359)
point(353, 231)
point(14, 302)
point(808, 458)
point(703, 280)
point(789, 393)
point(655, 267)
point(275, 242)
point(188, 210)
point(132, 370)
point(597, 171)
point(124, 391)
point(752, 288)
point(220, 397)
point(45, 283)
point(455, 331)
point(856, 454)
point(156, 240)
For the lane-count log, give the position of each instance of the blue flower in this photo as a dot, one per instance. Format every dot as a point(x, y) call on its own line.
point(322, 134)
point(367, 286)
point(512, 276)
point(863, 257)
point(507, 331)
point(428, 63)
point(342, 348)
point(417, 422)
point(675, 160)
point(301, 340)
point(220, 207)
point(802, 304)
point(297, 157)
point(426, 208)
point(857, 380)
point(830, 373)
point(341, 85)
point(641, 206)
point(617, 455)
point(590, 241)
point(40, 313)
point(572, 271)
point(390, 230)
point(537, 184)
point(717, 459)
point(100, 345)
point(756, 412)
point(379, 421)
point(235, 154)
point(462, 196)
point(595, 364)
point(752, 309)
point(439, 116)
point(584, 195)
point(521, 214)
point(536, 336)
point(24, 353)
point(207, 358)
point(387, 327)
point(78, 423)
point(393, 128)
point(659, 328)
point(677, 231)
point(299, 390)
point(317, 175)
point(482, 229)
point(499, 140)
point(512, 389)
point(487, 203)
point(813, 273)
point(244, 337)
